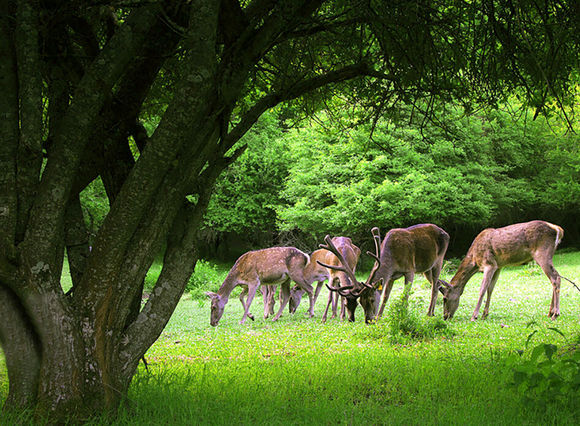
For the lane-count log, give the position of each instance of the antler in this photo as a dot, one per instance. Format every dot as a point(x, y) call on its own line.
point(377, 256)
point(341, 290)
point(344, 264)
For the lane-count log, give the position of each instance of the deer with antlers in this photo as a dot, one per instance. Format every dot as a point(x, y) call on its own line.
point(336, 278)
point(493, 249)
point(271, 266)
point(403, 252)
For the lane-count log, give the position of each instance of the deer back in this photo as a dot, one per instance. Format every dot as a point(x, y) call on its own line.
point(313, 270)
point(416, 248)
point(514, 244)
point(271, 264)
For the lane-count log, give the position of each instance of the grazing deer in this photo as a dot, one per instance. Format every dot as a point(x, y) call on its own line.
point(268, 293)
point(403, 252)
point(316, 271)
point(312, 272)
point(271, 266)
point(493, 249)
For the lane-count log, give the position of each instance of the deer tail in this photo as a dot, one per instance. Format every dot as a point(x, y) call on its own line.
point(559, 234)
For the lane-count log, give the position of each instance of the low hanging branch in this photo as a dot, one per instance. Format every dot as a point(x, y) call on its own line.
point(294, 91)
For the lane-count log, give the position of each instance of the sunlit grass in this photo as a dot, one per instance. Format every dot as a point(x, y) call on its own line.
point(300, 371)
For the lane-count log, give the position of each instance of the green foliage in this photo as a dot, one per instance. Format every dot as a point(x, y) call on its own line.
point(246, 192)
point(206, 277)
point(407, 324)
point(95, 205)
point(464, 173)
point(547, 376)
point(152, 276)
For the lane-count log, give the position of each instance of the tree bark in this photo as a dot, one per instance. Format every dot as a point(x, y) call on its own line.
point(22, 352)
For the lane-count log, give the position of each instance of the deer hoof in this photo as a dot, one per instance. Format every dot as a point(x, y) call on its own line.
point(251, 317)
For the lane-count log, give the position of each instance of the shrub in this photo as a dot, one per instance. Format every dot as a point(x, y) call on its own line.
point(406, 321)
point(547, 377)
point(408, 324)
point(206, 277)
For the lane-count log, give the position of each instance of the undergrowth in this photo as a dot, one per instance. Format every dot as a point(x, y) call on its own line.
point(405, 322)
point(545, 375)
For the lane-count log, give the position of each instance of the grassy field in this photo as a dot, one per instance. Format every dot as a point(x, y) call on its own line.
point(300, 371)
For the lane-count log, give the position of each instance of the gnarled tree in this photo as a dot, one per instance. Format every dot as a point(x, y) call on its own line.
point(77, 77)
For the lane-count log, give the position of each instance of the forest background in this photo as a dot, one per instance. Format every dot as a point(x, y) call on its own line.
point(344, 173)
point(346, 114)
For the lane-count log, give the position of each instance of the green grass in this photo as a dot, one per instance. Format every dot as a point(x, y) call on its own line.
point(300, 371)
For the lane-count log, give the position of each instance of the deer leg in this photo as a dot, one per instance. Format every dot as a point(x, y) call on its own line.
point(547, 266)
point(408, 283)
point(243, 294)
point(489, 291)
point(488, 274)
point(317, 292)
point(272, 300)
point(252, 288)
point(335, 283)
point(385, 296)
point(433, 277)
point(327, 306)
point(342, 308)
point(308, 289)
point(268, 293)
point(284, 297)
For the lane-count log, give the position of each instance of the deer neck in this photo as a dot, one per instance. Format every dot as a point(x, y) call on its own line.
point(467, 268)
point(227, 286)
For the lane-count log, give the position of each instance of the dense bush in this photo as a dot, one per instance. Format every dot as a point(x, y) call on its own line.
point(405, 322)
point(486, 172)
point(545, 375)
point(464, 173)
point(95, 206)
point(206, 277)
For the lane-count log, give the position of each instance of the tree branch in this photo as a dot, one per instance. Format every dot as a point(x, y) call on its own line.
point(294, 91)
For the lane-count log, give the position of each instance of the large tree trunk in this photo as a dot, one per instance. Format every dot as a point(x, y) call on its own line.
point(71, 354)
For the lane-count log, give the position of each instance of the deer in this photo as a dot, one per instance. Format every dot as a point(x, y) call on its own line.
point(268, 293)
point(402, 253)
point(270, 266)
point(315, 271)
point(312, 272)
point(494, 248)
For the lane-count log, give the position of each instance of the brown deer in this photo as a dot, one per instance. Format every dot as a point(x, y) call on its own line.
point(403, 252)
point(493, 249)
point(268, 297)
point(271, 266)
point(312, 272)
point(316, 271)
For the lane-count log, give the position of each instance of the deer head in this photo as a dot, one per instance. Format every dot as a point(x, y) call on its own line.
point(295, 299)
point(450, 299)
point(367, 292)
point(218, 304)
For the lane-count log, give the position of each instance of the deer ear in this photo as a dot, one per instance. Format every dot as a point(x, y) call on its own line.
point(211, 295)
